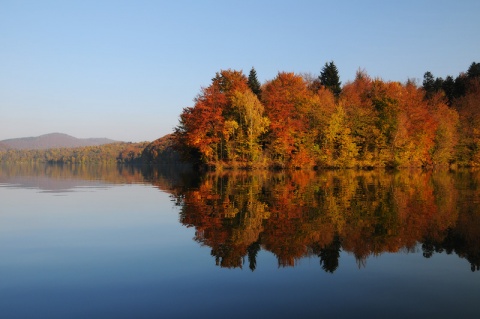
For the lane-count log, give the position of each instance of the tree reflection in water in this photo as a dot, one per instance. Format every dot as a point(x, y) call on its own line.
point(319, 214)
point(301, 214)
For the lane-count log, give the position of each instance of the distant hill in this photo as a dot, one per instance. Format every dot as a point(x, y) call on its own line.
point(53, 140)
point(3, 147)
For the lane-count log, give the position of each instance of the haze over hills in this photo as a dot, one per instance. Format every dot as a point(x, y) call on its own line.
point(3, 147)
point(52, 140)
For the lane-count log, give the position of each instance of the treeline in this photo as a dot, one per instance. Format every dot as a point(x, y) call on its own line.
point(299, 121)
point(161, 151)
point(158, 152)
point(108, 153)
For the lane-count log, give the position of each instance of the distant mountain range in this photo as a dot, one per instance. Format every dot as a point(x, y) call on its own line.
point(52, 140)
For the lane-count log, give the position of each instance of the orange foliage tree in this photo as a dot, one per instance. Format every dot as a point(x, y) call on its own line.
point(297, 124)
point(296, 120)
point(468, 107)
point(204, 130)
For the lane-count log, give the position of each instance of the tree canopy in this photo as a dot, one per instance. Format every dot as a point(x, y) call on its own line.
point(366, 123)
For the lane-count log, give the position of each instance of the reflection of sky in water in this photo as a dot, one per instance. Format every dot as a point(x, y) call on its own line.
point(52, 185)
point(119, 251)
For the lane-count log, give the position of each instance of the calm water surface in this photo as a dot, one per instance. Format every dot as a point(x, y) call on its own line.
point(118, 242)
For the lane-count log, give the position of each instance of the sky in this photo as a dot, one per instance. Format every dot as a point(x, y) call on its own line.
point(125, 69)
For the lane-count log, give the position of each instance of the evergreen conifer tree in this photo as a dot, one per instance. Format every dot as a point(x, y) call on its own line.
point(330, 79)
point(428, 83)
point(253, 83)
point(474, 70)
point(448, 87)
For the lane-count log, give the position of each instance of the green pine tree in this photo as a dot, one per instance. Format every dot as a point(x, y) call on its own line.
point(428, 84)
point(330, 79)
point(474, 70)
point(253, 83)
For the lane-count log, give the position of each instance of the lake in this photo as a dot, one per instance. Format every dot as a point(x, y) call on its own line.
point(139, 242)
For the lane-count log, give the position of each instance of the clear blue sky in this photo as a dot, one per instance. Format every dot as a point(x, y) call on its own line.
point(126, 69)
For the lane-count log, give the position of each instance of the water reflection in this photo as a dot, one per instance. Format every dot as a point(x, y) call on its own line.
point(60, 178)
point(318, 215)
point(300, 214)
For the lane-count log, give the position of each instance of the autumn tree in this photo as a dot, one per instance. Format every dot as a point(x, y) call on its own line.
point(363, 120)
point(288, 102)
point(321, 108)
point(468, 107)
point(199, 131)
point(393, 125)
point(225, 123)
point(446, 135)
point(420, 127)
point(247, 124)
point(340, 147)
point(202, 129)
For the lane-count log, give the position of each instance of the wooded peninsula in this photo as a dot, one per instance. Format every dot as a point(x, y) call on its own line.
point(300, 121)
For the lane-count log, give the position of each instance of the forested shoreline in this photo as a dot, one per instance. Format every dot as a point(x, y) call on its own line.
point(301, 121)
point(130, 153)
point(159, 151)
